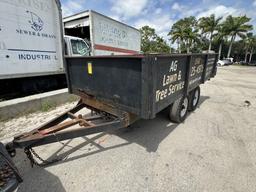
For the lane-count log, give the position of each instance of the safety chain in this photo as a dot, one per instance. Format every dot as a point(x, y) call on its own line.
point(31, 154)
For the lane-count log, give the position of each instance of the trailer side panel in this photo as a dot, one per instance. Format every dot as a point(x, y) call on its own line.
point(114, 80)
point(112, 37)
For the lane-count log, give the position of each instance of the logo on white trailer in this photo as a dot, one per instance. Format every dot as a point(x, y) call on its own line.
point(36, 22)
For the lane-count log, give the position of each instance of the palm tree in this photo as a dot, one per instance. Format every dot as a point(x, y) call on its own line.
point(247, 42)
point(191, 37)
point(184, 33)
point(209, 25)
point(177, 35)
point(236, 26)
point(252, 46)
point(220, 37)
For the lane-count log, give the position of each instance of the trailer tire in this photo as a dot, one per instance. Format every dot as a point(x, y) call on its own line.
point(194, 98)
point(179, 109)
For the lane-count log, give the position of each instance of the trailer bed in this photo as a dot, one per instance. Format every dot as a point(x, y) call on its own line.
point(139, 84)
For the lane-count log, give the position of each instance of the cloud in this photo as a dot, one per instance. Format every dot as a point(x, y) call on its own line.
point(71, 7)
point(158, 11)
point(186, 10)
point(206, 9)
point(162, 24)
point(219, 11)
point(176, 6)
point(254, 3)
point(128, 8)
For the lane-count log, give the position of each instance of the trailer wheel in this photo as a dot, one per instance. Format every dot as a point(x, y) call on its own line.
point(194, 97)
point(179, 110)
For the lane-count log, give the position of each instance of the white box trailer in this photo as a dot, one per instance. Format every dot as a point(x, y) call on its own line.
point(31, 38)
point(106, 36)
point(32, 44)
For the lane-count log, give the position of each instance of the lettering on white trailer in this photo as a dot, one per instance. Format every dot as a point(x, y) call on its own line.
point(31, 41)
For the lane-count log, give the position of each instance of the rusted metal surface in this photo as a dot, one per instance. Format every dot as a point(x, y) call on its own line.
point(75, 120)
point(100, 105)
point(128, 118)
point(105, 117)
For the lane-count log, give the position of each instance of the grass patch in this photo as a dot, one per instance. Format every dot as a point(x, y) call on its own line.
point(47, 106)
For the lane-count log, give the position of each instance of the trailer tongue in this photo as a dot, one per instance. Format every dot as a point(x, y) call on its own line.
point(103, 117)
point(119, 90)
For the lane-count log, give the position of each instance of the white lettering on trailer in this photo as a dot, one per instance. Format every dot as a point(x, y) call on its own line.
point(195, 80)
point(168, 79)
point(196, 70)
point(173, 66)
point(176, 87)
point(170, 82)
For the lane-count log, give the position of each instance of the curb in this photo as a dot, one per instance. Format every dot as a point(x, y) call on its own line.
point(44, 101)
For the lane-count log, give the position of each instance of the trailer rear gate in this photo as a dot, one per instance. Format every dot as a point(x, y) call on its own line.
point(142, 84)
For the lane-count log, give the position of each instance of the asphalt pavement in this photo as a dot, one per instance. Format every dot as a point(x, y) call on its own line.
point(213, 150)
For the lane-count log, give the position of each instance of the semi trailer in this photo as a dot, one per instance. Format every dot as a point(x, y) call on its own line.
point(105, 35)
point(119, 90)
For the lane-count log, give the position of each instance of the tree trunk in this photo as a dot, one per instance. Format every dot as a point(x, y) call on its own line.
point(179, 46)
point(187, 46)
point(246, 53)
point(250, 59)
point(220, 50)
point(230, 46)
point(210, 44)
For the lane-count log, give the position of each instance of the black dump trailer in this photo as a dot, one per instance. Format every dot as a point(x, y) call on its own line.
point(119, 90)
point(142, 85)
point(122, 89)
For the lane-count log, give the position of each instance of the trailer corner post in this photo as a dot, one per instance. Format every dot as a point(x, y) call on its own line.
point(205, 66)
point(188, 71)
point(214, 72)
point(145, 100)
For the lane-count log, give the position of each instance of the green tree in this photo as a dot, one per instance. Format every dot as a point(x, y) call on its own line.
point(209, 26)
point(185, 33)
point(177, 35)
point(151, 42)
point(220, 37)
point(236, 26)
point(252, 46)
point(192, 38)
point(247, 40)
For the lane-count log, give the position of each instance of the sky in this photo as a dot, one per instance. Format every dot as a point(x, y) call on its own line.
point(161, 14)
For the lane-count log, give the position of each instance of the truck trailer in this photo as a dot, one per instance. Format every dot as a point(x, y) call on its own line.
point(106, 36)
point(119, 90)
point(32, 44)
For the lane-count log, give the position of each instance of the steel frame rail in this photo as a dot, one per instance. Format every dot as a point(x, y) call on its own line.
point(106, 118)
